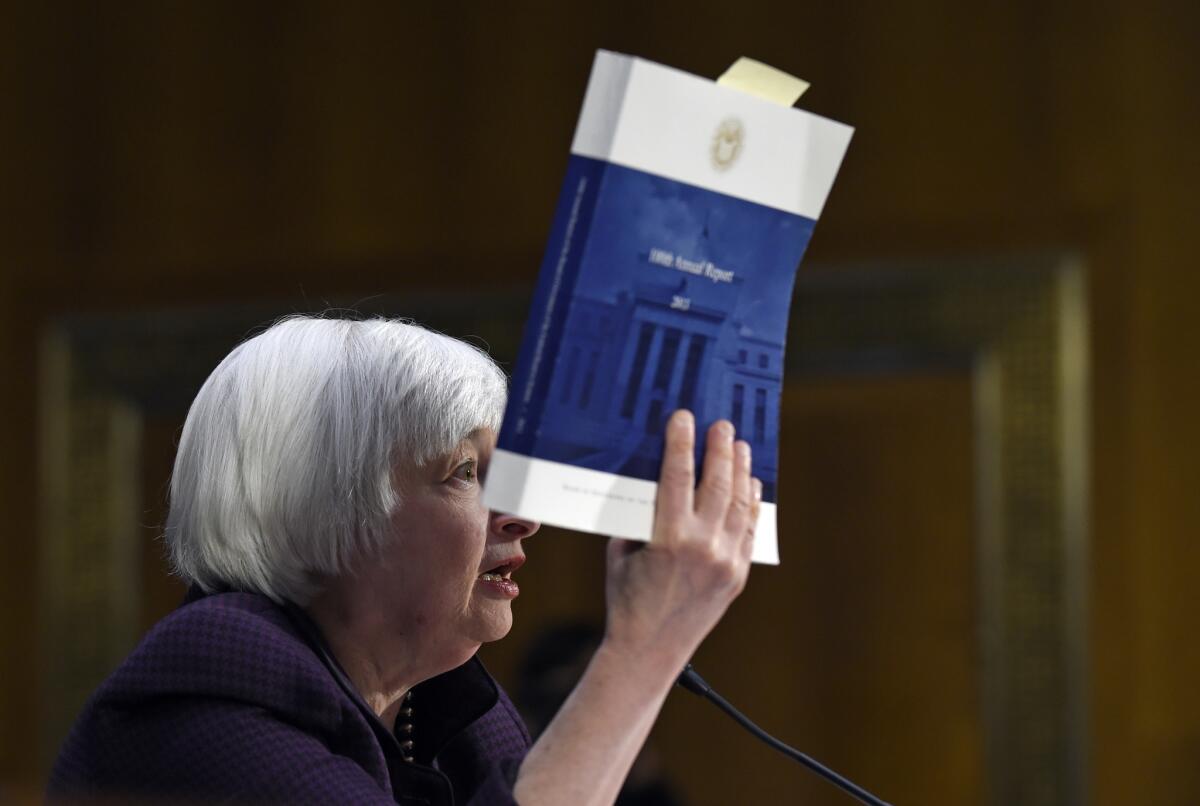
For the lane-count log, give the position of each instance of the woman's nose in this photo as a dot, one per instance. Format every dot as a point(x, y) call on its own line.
point(512, 526)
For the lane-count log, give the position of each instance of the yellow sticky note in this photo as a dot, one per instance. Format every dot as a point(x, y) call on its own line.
point(764, 81)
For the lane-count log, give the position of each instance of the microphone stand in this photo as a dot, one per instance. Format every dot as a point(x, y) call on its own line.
point(693, 682)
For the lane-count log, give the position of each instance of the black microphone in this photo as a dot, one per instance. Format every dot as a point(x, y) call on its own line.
point(693, 682)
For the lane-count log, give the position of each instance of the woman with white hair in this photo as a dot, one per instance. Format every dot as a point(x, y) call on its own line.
point(326, 511)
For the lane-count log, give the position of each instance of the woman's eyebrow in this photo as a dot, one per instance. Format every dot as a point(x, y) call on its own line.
point(477, 441)
point(465, 449)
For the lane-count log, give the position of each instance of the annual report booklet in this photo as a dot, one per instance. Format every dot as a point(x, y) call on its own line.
point(666, 284)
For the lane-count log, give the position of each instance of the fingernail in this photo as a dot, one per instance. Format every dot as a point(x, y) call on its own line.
point(757, 490)
point(724, 429)
point(743, 452)
point(682, 419)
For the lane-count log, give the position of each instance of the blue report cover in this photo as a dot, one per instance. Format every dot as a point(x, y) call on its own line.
point(666, 283)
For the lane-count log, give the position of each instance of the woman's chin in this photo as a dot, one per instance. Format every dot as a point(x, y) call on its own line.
point(493, 621)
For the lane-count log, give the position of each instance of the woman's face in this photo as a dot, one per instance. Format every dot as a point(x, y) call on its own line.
point(451, 559)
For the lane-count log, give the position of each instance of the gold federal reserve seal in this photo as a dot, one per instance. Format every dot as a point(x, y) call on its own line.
point(727, 143)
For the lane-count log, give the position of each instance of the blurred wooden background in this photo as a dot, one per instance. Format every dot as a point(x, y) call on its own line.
point(158, 155)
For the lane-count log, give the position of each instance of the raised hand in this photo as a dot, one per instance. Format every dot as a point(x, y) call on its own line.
point(665, 596)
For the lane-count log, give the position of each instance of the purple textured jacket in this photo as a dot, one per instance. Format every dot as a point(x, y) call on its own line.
point(233, 698)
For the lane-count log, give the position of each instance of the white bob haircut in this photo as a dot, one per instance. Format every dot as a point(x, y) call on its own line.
point(285, 466)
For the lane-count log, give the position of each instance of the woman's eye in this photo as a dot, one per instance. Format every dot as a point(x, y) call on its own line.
point(465, 471)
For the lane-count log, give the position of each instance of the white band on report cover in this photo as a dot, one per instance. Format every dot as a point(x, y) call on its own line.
point(573, 497)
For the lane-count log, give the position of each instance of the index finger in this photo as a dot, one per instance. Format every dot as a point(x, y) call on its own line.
point(676, 480)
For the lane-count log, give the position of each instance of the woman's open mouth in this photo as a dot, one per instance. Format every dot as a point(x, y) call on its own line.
point(498, 579)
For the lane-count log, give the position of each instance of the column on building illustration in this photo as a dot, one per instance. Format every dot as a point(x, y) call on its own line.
point(664, 366)
point(646, 333)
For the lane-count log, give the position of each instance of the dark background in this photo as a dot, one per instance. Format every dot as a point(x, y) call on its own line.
point(157, 155)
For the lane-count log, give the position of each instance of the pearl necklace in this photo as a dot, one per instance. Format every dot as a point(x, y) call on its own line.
point(405, 728)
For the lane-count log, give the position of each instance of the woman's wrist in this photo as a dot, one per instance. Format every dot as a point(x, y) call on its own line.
point(648, 662)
